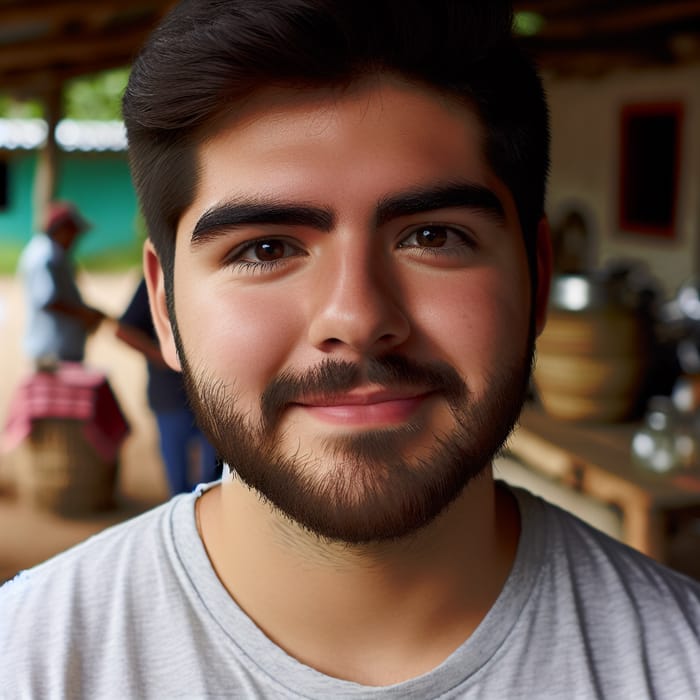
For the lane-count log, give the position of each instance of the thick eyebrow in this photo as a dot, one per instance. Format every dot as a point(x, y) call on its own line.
point(242, 212)
point(253, 212)
point(461, 195)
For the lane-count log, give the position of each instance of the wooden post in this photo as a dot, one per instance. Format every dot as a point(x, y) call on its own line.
point(45, 181)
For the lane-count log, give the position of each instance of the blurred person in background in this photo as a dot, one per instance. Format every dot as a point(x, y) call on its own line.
point(185, 450)
point(58, 320)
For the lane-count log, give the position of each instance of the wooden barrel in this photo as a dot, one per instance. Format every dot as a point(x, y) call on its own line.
point(591, 365)
point(58, 470)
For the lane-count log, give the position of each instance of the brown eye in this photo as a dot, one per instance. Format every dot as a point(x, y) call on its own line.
point(438, 240)
point(266, 251)
point(263, 254)
point(432, 237)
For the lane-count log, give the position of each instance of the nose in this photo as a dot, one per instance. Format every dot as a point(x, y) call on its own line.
point(359, 308)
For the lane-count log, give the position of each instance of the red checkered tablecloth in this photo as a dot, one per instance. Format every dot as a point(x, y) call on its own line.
point(71, 391)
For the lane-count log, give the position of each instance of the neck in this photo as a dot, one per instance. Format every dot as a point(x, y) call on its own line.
point(377, 613)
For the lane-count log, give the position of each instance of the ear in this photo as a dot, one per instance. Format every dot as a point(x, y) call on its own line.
point(155, 281)
point(544, 272)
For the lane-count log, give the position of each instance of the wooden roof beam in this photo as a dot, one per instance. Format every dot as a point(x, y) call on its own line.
point(83, 51)
point(61, 12)
point(620, 21)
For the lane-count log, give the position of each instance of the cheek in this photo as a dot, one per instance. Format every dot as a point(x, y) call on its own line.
point(482, 324)
point(243, 336)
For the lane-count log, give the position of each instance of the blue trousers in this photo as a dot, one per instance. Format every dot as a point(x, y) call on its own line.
point(188, 457)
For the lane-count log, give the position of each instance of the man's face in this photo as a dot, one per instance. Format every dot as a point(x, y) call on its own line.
point(353, 304)
point(66, 235)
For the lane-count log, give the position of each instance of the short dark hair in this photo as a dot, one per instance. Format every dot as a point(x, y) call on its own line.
point(209, 54)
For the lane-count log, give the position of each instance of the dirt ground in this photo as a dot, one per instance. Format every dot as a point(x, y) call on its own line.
point(28, 536)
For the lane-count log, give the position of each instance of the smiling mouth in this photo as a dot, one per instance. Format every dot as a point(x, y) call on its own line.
point(371, 408)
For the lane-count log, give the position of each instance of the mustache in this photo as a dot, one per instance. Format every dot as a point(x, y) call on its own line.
point(338, 376)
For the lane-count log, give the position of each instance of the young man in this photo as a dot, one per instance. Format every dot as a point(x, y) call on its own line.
point(348, 261)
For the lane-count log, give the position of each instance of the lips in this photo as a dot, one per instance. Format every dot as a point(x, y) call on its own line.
point(373, 407)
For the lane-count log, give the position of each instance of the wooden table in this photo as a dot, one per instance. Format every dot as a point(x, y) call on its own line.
point(596, 460)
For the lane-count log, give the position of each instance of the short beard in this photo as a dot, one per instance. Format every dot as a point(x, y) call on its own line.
point(362, 488)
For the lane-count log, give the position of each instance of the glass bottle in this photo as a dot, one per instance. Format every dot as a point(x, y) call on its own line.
point(662, 444)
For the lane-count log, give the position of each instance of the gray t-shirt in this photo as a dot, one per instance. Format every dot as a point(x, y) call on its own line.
point(138, 612)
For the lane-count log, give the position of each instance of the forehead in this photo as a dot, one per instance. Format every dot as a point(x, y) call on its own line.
point(273, 115)
point(342, 148)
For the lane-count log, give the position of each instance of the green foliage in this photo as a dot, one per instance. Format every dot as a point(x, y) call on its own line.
point(95, 96)
point(528, 23)
point(16, 109)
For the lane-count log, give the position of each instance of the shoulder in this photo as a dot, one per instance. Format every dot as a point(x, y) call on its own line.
point(590, 554)
point(81, 588)
point(108, 547)
point(613, 583)
point(632, 621)
point(79, 616)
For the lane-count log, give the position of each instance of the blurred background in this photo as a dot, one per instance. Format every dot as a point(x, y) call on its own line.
point(612, 431)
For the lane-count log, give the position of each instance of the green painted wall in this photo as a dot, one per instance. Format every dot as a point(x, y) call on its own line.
point(101, 187)
point(98, 183)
